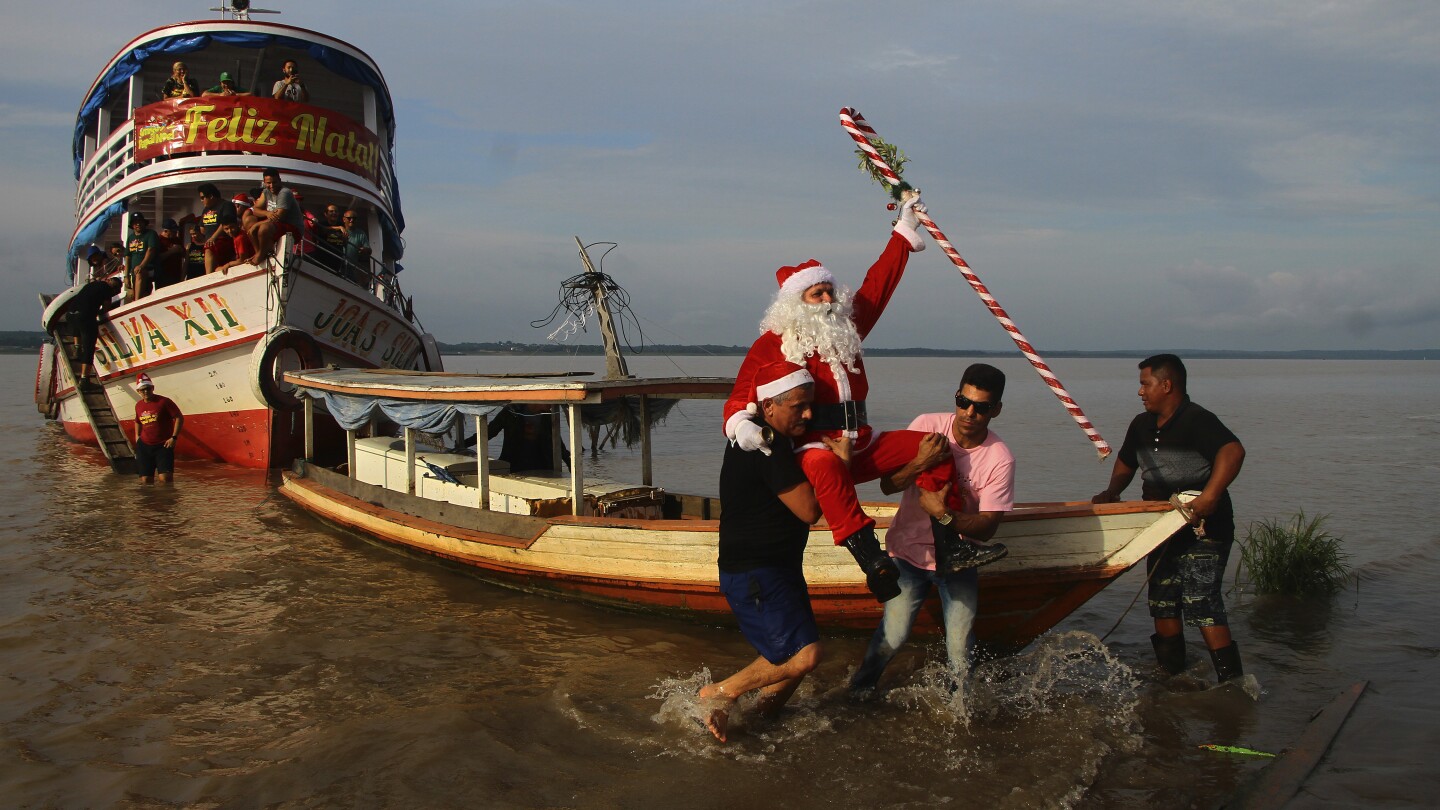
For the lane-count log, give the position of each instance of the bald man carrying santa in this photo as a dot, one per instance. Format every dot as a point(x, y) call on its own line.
point(814, 324)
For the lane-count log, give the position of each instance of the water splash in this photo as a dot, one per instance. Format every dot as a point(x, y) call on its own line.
point(752, 737)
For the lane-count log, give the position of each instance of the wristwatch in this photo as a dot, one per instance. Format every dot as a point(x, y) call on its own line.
point(947, 520)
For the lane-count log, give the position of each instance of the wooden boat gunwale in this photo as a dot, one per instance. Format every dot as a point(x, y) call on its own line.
point(1018, 603)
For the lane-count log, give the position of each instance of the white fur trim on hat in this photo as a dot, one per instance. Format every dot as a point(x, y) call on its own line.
point(802, 277)
point(774, 388)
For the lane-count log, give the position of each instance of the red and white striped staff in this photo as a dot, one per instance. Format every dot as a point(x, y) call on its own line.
point(854, 123)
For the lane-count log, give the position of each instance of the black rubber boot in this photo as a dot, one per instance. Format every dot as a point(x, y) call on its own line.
point(881, 575)
point(1227, 662)
point(954, 554)
point(1170, 652)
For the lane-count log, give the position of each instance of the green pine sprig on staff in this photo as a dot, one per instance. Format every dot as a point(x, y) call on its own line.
point(892, 155)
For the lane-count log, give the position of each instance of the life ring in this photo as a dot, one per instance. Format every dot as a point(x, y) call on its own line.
point(281, 350)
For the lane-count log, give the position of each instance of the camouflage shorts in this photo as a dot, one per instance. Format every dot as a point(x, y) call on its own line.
point(1186, 576)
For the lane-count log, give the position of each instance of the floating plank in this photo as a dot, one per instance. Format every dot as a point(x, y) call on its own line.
point(1280, 782)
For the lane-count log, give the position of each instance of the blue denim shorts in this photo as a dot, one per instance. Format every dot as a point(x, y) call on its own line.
point(772, 606)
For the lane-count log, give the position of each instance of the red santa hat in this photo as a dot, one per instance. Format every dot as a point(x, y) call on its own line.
point(143, 381)
point(796, 280)
point(778, 377)
point(243, 200)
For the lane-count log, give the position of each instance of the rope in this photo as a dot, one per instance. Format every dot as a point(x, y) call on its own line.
point(577, 300)
point(862, 133)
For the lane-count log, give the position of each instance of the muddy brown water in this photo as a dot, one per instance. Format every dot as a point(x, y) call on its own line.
point(211, 645)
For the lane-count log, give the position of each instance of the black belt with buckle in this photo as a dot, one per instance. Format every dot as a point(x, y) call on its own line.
point(840, 416)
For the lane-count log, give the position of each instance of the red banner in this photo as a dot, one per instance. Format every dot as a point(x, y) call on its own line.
point(255, 124)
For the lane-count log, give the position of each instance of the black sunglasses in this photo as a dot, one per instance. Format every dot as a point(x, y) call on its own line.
point(964, 403)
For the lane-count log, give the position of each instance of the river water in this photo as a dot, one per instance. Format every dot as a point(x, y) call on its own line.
point(210, 645)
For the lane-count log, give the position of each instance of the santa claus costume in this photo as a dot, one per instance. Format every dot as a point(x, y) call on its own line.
point(831, 353)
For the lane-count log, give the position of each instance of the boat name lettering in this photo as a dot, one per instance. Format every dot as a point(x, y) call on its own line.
point(347, 324)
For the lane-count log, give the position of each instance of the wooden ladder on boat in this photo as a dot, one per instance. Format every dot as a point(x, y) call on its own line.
point(96, 404)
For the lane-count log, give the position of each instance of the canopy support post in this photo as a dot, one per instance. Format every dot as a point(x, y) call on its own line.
point(577, 466)
point(350, 451)
point(410, 460)
point(647, 474)
point(309, 428)
point(482, 460)
point(555, 442)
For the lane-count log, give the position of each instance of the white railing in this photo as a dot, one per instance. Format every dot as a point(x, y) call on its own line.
point(112, 163)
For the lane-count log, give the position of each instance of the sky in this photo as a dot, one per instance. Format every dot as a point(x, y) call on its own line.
point(1121, 175)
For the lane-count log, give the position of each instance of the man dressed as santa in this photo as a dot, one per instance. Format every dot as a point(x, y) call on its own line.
point(816, 325)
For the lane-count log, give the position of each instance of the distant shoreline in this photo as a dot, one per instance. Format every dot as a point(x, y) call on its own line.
point(29, 342)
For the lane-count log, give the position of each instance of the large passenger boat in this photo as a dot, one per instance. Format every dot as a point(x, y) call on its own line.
point(218, 343)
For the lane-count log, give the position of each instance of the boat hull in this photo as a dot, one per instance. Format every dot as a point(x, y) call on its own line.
point(1061, 555)
point(216, 346)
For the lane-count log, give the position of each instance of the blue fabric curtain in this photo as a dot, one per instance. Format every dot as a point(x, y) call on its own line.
point(90, 232)
point(426, 417)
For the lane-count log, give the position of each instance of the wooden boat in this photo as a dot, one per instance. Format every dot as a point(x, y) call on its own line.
point(639, 545)
point(217, 343)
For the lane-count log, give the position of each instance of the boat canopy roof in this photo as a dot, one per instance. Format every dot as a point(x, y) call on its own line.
point(429, 401)
point(129, 63)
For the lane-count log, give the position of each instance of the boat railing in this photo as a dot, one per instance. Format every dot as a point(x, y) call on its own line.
point(106, 167)
point(368, 273)
point(113, 162)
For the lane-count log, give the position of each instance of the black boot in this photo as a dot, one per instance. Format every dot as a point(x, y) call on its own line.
point(954, 554)
point(1227, 662)
point(881, 575)
point(1170, 652)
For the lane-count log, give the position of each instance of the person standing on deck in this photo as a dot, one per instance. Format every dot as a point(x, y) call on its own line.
point(1177, 446)
point(291, 87)
point(812, 323)
point(143, 257)
point(986, 467)
point(157, 427)
point(768, 509)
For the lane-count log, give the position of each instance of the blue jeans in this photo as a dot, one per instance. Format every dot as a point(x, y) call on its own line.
point(959, 594)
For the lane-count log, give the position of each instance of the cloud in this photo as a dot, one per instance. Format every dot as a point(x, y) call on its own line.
point(1360, 302)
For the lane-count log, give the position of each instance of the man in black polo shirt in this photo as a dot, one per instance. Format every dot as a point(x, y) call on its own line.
point(1177, 446)
point(767, 506)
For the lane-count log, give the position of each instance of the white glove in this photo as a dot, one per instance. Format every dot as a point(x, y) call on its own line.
point(910, 208)
point(749, 436)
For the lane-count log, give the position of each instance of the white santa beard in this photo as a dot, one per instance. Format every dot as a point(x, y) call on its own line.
point(826, 330)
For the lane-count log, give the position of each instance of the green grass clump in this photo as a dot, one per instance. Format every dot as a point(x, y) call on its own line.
point(1295, 559)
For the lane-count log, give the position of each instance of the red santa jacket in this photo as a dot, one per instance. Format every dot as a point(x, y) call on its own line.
point(830, 387)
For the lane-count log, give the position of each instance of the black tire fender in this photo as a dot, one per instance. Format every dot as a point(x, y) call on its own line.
point(281, 350)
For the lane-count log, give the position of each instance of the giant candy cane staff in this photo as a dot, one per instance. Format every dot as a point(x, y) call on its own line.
point(864, 136)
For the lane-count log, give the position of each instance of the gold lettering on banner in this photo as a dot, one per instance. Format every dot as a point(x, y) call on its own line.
point(194, 118)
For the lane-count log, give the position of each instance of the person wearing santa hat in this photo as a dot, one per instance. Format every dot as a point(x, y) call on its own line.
point(814, 323)
point(769, 507)
point(157, 426)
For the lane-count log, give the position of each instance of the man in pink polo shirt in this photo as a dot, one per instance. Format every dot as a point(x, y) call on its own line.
point(986, 469)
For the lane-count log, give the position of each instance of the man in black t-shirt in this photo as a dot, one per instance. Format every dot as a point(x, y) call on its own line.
point(218, 212)
point(767, 506)
point(1178, 446)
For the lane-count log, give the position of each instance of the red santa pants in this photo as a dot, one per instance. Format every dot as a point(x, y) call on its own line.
point(888, 452)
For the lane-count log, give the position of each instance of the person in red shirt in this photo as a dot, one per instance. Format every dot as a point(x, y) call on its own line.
point(157, 426)
point(243, 248)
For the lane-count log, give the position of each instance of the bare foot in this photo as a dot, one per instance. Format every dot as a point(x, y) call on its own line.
point(716, 722)
point(717, 705)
